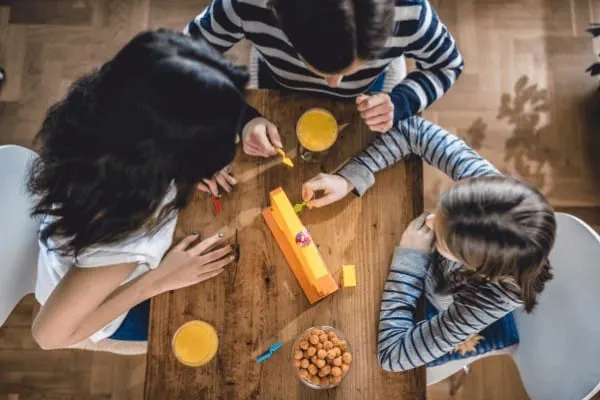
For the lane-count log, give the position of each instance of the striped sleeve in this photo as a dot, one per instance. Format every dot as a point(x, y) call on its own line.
point(438, 65)
point(404, 344)
point(219, 23)
point(418, 136)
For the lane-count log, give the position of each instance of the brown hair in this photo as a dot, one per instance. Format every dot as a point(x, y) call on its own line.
point(502, 230)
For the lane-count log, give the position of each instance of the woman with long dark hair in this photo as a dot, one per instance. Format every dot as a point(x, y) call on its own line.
point(121, 154)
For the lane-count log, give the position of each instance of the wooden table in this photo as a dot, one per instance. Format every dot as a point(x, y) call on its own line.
point(258, 300)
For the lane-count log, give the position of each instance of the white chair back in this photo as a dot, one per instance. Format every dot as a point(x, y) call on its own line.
point(18, 231)
point(559, 347)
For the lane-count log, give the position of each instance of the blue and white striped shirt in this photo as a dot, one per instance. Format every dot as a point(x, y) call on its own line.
point(404, 344)
point(418, 34)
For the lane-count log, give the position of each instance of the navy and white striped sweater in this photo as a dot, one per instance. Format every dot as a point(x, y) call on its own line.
point(418, 34)
point(403, 343)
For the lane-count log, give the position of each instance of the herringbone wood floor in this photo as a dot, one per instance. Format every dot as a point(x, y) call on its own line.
point(524, 102)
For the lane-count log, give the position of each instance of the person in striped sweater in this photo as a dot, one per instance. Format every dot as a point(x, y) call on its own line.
point(338, 48)
point(483, 254)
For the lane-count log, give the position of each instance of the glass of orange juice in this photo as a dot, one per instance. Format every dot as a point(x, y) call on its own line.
point(317, 131)
point(195, 343)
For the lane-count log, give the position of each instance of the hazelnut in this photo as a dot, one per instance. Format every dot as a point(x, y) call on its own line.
point(297, 363)
point(317, 332)
point(304, 363)
point(311, 351)
point(324, 371)
point(303, 374)
point(338, 351)
point(298, 355)
point(328, 345)
point(312, 369)
point(304, 345)
point(320, 363)
point(335, 379)
point(320, 345)
point(338, 361)
point(325, 381)
point(314, 339)
point(345, 368)
point(323, 338)
point(321, 354)
point(315, 379)
point(331, 335)
point(335, 341)
point(332, 354)
point(314, 359)
point(336, 371)
point(347, 358)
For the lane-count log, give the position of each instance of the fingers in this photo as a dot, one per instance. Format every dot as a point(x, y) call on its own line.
point(311, 186)
point(262, 141)
point(216, 265)
point(215, 255)
point(382, 128)
point(371, 101)
point(203, 188)
point(419, 222)
point(274, 137)
point(212, 186)
point(379, 110)
point(205, 244)
point(186, 242)
point(220, 178)
point(229, 178)
point(323, 201)
point(361, 98)
point(253, 150)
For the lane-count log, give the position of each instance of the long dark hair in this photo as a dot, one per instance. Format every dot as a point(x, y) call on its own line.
point(500, 228)
point(330, 34)
point(164, 110)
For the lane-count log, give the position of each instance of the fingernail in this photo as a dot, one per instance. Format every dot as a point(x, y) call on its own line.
point(220, 235)
point(195, 233)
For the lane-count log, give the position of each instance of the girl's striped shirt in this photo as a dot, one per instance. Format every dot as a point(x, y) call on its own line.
point(418, 34)
point(403, 343)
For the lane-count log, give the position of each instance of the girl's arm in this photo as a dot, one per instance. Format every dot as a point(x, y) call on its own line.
point(438, 61)
point(415, 135)
point(87, 299)
point(404, 344)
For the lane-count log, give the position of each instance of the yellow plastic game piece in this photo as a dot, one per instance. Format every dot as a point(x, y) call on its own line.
point(195, 343)
point(349, 275)
point(285, 160)
point(304, 259)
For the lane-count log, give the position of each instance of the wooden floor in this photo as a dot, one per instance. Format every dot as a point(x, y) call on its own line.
point(524, 102)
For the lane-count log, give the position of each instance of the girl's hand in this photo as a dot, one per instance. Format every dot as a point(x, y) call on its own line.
point(377, 111)
point(186, 265)
point(418, 236)
point(260, 138)
point(334, 186)
point(223, 178)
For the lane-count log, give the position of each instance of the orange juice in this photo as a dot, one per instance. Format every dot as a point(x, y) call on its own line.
point(317, 130)
point(195, 343)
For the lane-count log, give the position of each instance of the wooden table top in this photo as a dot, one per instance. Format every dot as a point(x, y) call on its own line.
point(258, 301)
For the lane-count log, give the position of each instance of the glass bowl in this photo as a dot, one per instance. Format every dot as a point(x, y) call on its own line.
point(341, 342)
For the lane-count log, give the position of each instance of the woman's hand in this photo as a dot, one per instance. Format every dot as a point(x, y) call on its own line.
point(223, 179)
point(186, 265)
point(334, 186)
point(418, 236)
point(260, 138)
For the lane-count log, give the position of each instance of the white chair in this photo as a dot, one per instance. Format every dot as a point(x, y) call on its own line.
point(19, 247)
point(559, 346)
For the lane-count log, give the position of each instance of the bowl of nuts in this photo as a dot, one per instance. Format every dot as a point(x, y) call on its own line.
point(321, 357)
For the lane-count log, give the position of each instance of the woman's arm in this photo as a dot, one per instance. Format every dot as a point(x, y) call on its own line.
point(219, 24)
point(404, 344)
point(415, 135)
point(87, 299)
